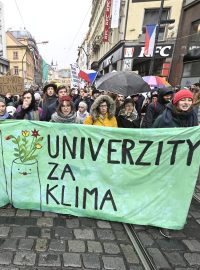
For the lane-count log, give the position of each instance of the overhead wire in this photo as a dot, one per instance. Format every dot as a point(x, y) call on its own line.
point(20, 14)
point(69, 49)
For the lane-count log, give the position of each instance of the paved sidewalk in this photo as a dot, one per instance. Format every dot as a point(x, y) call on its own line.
point(36, 240)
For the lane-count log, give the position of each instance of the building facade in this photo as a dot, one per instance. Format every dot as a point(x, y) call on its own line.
point(123, 47)
point(186, 63)
point(4, 63)
point(24, 57)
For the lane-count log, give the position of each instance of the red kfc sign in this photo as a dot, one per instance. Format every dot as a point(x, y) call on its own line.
point(107, 21)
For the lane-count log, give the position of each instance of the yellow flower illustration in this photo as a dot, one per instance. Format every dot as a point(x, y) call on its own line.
point(25, 133)
point(38, 146)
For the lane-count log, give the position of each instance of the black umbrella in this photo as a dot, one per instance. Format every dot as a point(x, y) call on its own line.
point(126, 83)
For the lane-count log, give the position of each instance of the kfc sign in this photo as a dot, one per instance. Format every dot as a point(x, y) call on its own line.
point(162, 51)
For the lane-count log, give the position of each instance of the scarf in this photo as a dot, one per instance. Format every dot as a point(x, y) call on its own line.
point(130, 117)
point(61, 118)
point(80, 117)
point(5, 116)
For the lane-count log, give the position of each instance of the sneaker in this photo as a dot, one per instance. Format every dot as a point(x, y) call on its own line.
point(165, 233)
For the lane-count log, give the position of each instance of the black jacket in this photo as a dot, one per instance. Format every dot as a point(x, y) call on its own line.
point(50, 110)
point(156, 109)
point(171, 118)
point(123, 122)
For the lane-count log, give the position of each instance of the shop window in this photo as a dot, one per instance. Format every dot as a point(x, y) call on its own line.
point(15, 55)
point(16, 70)
point(151, 17)
point(191, 69)
point(194, 41)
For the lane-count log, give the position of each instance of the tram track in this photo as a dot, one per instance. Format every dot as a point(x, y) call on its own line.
point(139, 248)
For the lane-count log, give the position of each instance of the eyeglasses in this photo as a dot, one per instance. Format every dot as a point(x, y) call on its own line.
point(81, 107)
point(103, 106)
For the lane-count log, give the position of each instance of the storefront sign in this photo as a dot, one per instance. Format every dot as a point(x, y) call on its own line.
point(162, 51)
point(107, 21)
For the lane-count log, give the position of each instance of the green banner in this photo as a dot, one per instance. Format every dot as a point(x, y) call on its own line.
point(138, 176)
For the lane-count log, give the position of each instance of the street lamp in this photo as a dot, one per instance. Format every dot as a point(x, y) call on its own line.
point(80, 47)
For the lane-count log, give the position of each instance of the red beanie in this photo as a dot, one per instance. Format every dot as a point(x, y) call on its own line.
point(184, 93)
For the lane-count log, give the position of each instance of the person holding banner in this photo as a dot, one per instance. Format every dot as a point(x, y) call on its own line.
point(179, 113)
point(28, 110)
point(128, 116)
point(102, 112)
point(65, 112)
point(3, 113)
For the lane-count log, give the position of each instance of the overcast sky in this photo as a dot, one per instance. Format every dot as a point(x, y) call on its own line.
point(64, 23)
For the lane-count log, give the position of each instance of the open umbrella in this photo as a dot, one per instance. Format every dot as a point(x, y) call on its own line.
point(126, 83)
point(156, 81)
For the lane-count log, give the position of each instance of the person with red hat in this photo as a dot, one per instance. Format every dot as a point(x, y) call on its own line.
point(65, 112)
point(179, 113)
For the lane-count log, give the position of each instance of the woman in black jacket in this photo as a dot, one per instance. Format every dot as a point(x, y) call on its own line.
point(128, 116)
point(180, 113)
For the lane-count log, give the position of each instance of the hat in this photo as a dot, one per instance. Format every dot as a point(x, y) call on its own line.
point(2, 100)
point(11, 110)
point(65, 98)
point(50, 85)
point(37, 96)
point(182, 94)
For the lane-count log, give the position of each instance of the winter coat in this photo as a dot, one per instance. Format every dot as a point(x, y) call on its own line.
point(155, 109)
point(172, 118)
point(28, 114)
point(45, 103)
point(50, 110)
point(125, 121)
point(96, 119)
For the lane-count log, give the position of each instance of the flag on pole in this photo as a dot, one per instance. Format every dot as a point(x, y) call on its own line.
point(88, 75)
point(150, 39)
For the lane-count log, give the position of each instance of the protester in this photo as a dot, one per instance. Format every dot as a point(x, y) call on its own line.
point(61, 92)
point(65, 112)
point(49, 97)
point(73, 94)
point(81, 113)
point(102, 112)
point(94, 95)
point(155, 109)
point(83, 96)
point(3, 113)
point(28, 110)
point(177, 114)
point(180, 113)
point(128, 116)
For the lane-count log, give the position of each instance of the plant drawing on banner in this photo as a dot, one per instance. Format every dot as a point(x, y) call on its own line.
point(26, 147)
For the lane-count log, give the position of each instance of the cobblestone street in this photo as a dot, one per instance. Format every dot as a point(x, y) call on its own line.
point(36, 240)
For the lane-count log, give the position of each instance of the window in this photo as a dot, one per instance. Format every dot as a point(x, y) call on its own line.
point(15, 55)
point(16, 70)
point(151, 17)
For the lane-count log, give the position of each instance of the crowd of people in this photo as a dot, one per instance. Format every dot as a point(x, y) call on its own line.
point(158, 109)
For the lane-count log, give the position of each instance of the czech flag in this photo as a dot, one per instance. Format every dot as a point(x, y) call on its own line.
point(150, 39)
point(88, 75)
